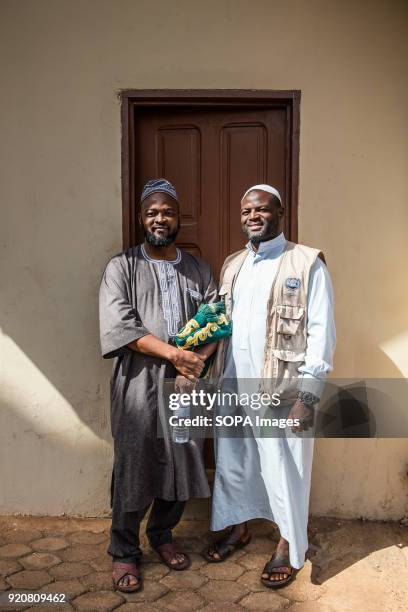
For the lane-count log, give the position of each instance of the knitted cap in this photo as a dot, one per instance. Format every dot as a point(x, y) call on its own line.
point(156, 185)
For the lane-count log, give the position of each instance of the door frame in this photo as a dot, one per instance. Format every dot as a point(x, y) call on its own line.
point(132, 99)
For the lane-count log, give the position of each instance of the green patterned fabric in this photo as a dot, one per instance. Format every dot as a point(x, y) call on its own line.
point(210, 324)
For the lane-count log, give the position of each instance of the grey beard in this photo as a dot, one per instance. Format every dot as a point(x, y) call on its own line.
point(160, 241)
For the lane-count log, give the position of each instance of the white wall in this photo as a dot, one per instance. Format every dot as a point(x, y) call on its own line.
point(62, 64)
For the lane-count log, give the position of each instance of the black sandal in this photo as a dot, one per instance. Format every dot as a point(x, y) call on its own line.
point(278, 564)
point(228, 544)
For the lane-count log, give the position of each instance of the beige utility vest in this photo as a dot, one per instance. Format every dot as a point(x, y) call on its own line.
point(286, 336)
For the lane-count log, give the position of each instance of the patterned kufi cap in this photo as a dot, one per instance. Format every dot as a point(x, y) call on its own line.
point(156, 185)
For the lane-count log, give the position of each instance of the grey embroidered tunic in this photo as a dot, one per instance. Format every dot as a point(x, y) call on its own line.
point(138, 296)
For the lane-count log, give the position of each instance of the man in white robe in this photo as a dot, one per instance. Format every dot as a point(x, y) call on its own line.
point(258, 476)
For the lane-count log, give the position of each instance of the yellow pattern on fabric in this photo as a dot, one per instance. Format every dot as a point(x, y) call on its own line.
point(222, 320)
point(189, 328)
point(201, 335)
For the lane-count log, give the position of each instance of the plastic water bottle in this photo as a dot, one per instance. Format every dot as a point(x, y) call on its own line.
point(180, 432)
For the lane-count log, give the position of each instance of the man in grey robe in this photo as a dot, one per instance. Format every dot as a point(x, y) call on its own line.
point(147, 294)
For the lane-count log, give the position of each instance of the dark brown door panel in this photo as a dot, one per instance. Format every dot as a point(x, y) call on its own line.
point(212, 153)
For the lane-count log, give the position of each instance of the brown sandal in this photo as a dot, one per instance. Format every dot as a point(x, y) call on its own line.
point(167, 552)
point(278, 564)
point(120, 570)
point(228, 544)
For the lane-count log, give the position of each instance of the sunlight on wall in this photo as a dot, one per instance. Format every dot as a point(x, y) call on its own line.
point(396, 350)
point(35, 400)
point(45, 443)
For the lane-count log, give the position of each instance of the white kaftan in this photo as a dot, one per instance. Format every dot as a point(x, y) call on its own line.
point(269, 477)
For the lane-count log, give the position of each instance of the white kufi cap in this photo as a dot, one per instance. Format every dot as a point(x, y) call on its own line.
point(267, 188)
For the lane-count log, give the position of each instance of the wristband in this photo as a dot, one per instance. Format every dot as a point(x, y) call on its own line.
point(308, 399)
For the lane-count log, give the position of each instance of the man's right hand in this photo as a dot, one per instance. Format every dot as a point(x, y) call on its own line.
point(187, 363)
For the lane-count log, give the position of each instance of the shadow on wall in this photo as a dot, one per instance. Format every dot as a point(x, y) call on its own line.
point(50, 376)
point(56, 394)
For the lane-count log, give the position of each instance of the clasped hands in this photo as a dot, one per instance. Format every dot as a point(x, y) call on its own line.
point(190, 365)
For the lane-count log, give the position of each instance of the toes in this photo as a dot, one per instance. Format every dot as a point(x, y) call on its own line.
point(279, 577)
point(177, 559)
point(128, 580)
point(213, 554)
point(274, 577)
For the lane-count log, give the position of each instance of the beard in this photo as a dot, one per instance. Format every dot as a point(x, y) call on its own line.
point(269, 230)
point(160, 241)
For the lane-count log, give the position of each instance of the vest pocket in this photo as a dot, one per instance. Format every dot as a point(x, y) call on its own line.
point(290, 328)
point(224, 293)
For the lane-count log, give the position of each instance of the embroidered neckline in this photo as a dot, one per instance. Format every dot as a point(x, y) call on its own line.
point(169, 290)
point(160, 261)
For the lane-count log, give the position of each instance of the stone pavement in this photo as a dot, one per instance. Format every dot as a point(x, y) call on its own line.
point(352, 566)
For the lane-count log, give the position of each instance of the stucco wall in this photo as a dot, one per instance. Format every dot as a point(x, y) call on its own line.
point(62, 64)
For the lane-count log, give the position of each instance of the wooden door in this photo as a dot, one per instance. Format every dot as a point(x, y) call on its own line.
point(212, 146)
point(211, 153)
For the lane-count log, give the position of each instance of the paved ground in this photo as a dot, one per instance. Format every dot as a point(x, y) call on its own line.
point(352, 566)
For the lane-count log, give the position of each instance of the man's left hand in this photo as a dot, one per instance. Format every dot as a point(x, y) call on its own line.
point(304, 414)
